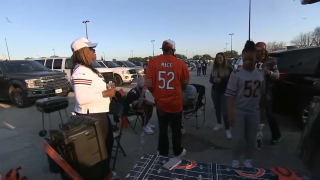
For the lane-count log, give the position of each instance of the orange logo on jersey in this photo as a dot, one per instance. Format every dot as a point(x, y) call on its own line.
point(260, 173)
point(189, 166)
point(284, 173)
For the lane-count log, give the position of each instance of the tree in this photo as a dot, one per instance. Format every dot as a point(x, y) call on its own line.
point(303, 40)
point(114, 60)
point(275, 46)
point(181, 56)
point(316, 36)
point(196, 57)
point(206, 57)
point(232, 54)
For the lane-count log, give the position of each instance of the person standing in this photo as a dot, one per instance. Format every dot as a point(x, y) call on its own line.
point(92, 98)
point(270, 68)
point(199, 68)
point(165, 79)
point(204, 67)
point(245, 89)
point(219, 79)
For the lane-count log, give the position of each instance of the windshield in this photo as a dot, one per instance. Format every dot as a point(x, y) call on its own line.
point(129, 64)
point(95, 64)
point(111, 64)
point(23, 66)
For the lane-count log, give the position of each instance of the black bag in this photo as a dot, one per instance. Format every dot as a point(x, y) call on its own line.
point(115, 108)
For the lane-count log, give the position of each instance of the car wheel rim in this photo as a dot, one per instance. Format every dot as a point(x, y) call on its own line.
point(116, 81)
point(305, 114)
point(18, 98)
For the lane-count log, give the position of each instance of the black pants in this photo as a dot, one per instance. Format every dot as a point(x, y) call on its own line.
point(175, 120)
point(273, 124)
point(101, 169)
point(198, 71)
point(204, 70)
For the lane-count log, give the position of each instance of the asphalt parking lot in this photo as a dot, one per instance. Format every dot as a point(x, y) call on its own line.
point(20, 143)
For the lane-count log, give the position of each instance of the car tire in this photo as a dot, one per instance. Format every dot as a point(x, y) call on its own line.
point(118, 80)
point(18, 98)
point(303, 113)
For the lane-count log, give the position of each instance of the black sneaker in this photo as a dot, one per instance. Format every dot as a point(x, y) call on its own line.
point(275, 141)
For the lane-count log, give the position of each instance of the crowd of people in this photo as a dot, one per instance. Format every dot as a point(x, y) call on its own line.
point(238, 95)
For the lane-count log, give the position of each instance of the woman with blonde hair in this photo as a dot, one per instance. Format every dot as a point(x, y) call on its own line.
point(92, 98)
point(219, 79)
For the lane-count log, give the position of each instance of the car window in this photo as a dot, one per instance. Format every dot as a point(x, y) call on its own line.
point(101, 64)
point(129, 64)
point(111, 64)
point(57, 64)
point(23, 66)
point(119, 63)
point(49, 63)
point(40, 61)
point(95, 64)
point(68, 64)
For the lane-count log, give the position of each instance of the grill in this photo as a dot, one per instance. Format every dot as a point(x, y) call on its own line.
point(132, 71)
point(48, 82)
point(108, 76)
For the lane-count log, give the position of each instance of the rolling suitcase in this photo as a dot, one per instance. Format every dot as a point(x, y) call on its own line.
point(81, 142)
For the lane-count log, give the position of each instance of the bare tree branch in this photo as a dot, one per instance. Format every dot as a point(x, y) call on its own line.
point(303, 40)
point(316, 36)
point(275, 46)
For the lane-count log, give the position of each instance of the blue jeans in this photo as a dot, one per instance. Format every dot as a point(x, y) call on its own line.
point(220, 105)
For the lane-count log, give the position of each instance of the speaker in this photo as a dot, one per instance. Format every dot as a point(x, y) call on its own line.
point(81, 142)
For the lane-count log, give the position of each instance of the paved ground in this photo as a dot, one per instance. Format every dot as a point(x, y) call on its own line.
point(19, 141)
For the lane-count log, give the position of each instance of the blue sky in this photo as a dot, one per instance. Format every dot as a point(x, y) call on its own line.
point(119, 26)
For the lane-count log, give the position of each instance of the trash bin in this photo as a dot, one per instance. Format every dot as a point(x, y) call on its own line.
point(309, 147)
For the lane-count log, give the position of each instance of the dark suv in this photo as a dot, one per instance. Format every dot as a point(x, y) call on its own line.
point(294, 90)
point(23, 82)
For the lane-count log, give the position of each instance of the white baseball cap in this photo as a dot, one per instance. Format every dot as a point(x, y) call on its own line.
point(81, 43)
point(169, 44)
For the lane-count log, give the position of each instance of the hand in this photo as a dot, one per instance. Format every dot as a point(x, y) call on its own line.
point(109, 92)
point(216, 80)
point(231, 121)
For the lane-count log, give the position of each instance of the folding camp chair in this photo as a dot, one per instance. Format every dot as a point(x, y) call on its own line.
point(200, 107)
point(117, 145)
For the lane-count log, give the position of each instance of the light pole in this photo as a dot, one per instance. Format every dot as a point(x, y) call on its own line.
point(104, 56)
point(54, 52)
point(231, 34)
point(249, 19)
point(131, 53)
point(5, 39)
point(85, 22)
point(224, 49)
point(152, 48)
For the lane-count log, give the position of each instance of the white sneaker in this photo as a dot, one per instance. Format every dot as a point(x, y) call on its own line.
point(235, 163)
point(217, 127)
point(247, 163)
point(229, 135)
point(151, 126)
point(148, 130)
point(183, 153)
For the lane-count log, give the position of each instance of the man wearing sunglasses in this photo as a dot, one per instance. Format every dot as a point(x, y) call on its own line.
point(270, 68)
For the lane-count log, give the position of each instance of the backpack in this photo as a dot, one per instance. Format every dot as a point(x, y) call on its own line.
point(13, 175)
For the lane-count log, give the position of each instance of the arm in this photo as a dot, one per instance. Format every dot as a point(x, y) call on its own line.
point(231, 92)
point(185, 76)
point(82, 86)
point(211, 78)
point(149, 79)
point(274, 72)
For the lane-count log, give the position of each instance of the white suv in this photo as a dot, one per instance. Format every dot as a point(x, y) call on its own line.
point(64, 64)
point(122, 75)
point(238, 64)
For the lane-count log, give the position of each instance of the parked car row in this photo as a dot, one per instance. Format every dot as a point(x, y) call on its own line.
point(24, 81)
point(294, 90)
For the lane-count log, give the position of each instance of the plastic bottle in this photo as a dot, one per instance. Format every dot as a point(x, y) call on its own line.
point(142, 141)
